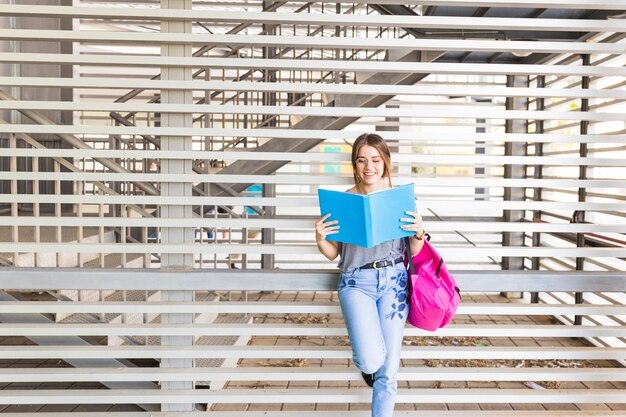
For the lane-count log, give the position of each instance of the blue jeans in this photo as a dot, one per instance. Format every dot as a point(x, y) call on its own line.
point(374, 307)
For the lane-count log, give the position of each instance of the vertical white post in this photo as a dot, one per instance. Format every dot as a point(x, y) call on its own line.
point(176, 235)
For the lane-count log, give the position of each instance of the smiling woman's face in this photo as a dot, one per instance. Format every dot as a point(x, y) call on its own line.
point(370, 166)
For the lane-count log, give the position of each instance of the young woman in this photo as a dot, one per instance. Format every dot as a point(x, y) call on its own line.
point(373, 282)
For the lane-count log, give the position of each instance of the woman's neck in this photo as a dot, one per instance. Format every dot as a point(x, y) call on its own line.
point(366, 189)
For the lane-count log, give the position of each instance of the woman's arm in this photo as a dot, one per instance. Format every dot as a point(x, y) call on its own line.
point(322, 229)
point(416, 245)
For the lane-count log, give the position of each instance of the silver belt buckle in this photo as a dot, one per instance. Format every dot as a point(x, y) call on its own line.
point(375, 264)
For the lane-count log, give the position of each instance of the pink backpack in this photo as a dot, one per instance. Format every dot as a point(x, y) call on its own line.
point(433, 293)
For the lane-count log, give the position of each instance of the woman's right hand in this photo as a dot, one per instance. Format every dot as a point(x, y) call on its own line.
point(324, 228)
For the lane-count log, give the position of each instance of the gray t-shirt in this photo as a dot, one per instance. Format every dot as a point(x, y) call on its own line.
point(353, 256)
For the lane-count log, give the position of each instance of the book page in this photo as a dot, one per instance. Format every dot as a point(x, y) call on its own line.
point(349, 210)
point(387, 207)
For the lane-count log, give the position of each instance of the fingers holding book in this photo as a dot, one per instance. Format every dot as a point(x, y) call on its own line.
point(324, 228)
point(415, 224)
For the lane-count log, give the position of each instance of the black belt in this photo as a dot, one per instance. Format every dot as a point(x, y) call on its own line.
point(381, 264)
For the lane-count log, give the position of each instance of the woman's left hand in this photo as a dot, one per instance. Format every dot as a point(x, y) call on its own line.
point(415, 224)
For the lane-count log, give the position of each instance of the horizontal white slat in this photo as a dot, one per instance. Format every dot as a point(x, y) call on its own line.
point(398, 158)
point(447, 251)
point(333, 396)
point(312, 65)
point(330, 157)
point(310, 179)
point(201, 155)
point(437, 112)
point(327, 88)
point(291, 280)
point(252, 17)
point(310, 352)
point(560, 4)
point(314, 134)
point(468, 206)
point(305, 42)
point(13, 375)
point(197, 178)
point(19, 307)
point(304, 223)
point(108, 329)
point(344, 413)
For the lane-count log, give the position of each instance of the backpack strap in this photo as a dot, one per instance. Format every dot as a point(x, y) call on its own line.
point(439, 268)
point(407, 247)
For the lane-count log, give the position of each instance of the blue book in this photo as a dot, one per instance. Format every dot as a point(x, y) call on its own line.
point(367, 220)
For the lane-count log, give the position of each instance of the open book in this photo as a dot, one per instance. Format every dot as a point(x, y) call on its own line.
point(367, 220)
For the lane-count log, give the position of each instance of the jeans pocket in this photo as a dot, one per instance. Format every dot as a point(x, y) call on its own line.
point(348, 279)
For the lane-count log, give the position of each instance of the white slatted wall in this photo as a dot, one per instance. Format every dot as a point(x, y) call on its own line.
point(509, 120)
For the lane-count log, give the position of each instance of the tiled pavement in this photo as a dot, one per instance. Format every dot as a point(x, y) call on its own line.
point(326, 297)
